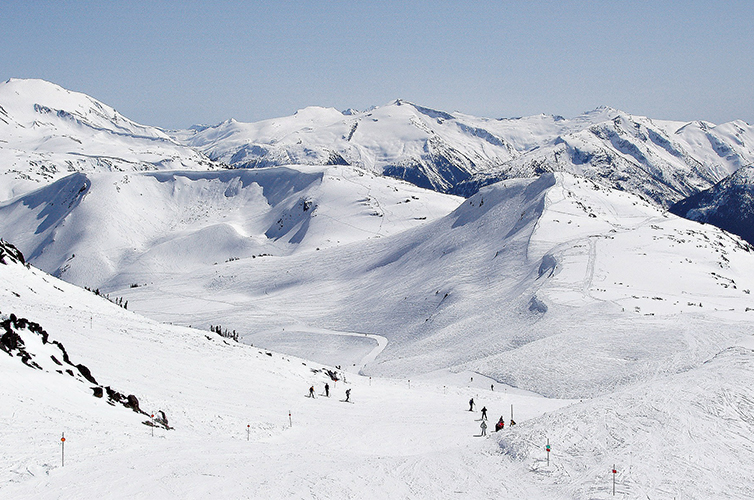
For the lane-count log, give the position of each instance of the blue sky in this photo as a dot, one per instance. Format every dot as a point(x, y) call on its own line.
point(173, 64)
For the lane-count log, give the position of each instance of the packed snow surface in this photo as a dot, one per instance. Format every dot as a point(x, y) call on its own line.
point(516, 283)
point(242, 426)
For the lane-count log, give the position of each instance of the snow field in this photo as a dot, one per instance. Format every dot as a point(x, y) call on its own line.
point(541, 285)
point(392, 441)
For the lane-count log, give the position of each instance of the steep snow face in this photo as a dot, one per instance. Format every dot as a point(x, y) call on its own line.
point(88, 228)
point(729, 204)
point(47, 132)
point(451, 152)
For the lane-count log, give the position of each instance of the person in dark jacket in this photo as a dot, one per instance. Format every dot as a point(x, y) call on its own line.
point(327, 390)
point(471, 404)
point(484, 413)
point(500, 425)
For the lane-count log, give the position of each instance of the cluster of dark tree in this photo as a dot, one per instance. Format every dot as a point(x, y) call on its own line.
point(118, 301)
point(224, 333)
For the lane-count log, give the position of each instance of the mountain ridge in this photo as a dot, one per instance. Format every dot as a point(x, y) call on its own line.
point(48, 132)
point(660, 160)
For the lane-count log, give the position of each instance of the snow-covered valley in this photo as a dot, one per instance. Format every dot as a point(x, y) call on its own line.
point(243, 428)
point(567, 293)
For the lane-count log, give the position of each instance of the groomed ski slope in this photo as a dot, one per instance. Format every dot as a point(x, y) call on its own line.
point(685, 435)
point(392, 442)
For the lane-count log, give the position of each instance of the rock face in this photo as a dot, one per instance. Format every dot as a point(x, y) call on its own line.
point(729, 205)
point(28, 341)
point(9, 253)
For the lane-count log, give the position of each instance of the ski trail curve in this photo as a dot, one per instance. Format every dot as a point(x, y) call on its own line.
point(365, 360)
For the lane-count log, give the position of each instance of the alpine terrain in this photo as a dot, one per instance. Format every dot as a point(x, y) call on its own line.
point(170, 299)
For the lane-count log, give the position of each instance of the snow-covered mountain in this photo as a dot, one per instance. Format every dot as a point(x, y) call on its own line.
point(48, 132)
point(662, 161)
point(89, 228)
point(729, 204)
point(618, 331)
point(526, 270)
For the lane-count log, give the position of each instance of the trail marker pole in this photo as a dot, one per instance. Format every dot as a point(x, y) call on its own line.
point(370, 381)
point(511, 413)
point(248, 432)
point(152, 424)
point(409, 383)
point(548, 451)
point(290, 420)
point(614, 473)
point(62, 450)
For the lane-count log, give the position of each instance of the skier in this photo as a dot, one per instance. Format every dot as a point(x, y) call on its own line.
point(500, 425)
point(513, 422)
point(327, 390)
point(311, 392)
point(484, 413)
point(348, 395)
point(483, 425)
point(492, 387)
point(471, 404)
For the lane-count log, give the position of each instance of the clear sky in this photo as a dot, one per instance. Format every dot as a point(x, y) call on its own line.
point(173, 64)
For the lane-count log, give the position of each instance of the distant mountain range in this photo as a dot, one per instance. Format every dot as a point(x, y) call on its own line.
point(662, 161)
point(47, 132)
point(728, 204)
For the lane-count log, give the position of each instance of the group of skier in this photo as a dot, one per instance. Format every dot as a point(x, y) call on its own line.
point(327, 392)
point(500, 425)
